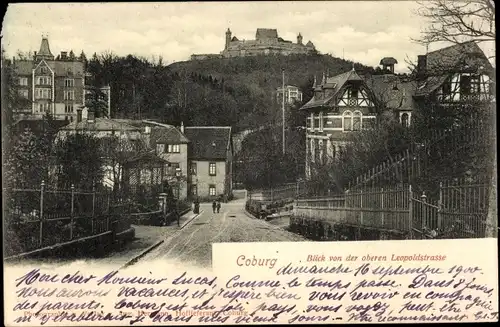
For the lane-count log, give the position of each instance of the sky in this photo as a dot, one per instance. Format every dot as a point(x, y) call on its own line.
point(361, 31)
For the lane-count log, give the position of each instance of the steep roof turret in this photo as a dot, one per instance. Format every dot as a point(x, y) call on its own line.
point(44, 52)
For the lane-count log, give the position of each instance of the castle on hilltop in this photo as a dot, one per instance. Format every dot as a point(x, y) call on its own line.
point(266, 42)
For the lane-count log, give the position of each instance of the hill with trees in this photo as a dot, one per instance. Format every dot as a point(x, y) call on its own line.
point(239, 92)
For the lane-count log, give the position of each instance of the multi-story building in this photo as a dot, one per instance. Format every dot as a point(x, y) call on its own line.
point(267, 42)
point(348, 102)
point(292, 94)
point(211, 161)
point(53, 85)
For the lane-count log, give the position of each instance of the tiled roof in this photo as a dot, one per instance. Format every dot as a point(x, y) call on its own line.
point(383, 88)
point(167, 134)
point(60, 68)
point(208, 143)
point(101, 124)
point(456, 57)
point(333, 84)
point(266, 33)
point(430, 85)
point(459, 57)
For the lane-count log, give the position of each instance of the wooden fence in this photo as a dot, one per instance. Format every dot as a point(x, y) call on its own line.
point(38, 218)
point(459, 212)
point(411, 163)
point(284, 192)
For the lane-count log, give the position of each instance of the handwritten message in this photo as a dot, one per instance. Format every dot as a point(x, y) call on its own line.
point(372, 282)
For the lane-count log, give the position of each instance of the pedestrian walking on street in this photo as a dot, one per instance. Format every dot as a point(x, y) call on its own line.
point(214, 205)
point(218, 206)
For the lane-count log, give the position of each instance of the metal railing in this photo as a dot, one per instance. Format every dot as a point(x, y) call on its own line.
point(38, 218)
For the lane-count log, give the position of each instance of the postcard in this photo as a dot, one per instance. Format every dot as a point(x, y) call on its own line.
point(284, 162)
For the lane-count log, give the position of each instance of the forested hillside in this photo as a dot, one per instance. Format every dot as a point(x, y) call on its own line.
point(238, 92)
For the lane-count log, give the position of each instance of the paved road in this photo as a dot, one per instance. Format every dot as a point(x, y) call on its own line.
point(193, 244)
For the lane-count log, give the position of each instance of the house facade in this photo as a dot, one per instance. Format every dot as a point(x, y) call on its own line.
point(292, 94)
point(348, 102)
point(52, 85)
point(454, 75)
point(340, 105)
point(210, 161)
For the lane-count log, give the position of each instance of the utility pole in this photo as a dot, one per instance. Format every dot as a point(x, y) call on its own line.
point(283, 109)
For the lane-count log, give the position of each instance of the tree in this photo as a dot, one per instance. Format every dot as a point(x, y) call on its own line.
point(458, 21)
point(79, 161)
point(97, 101)
point(116, 151)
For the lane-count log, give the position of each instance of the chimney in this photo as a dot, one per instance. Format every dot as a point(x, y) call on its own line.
point(78, 115)
point(182, 127)
point(421, 65)
point(64, 55)
point(90, 116)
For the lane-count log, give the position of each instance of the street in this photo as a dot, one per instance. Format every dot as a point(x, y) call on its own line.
point(193, 243)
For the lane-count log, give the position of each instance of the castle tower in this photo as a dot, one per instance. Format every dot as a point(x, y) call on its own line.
point(44, 52)
point(299, 39)
point(228, 38)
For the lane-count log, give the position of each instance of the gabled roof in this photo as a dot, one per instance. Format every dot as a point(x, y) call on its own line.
point(167, 134)
point(266, 33)
point(100, 124)
point(310, 44)
point(209, 143)
point(464, 57)
point(60, 68)
point(456, 58)
point(335, 84)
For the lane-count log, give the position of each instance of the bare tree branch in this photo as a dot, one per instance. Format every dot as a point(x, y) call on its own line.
point(458, 21)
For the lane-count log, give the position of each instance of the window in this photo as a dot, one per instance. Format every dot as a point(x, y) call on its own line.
point(23, 93)
point(174, 148)
point(211, 169)
point(211, 190)
point(23, 81)
point(356, 121)
point(42, 93)
point(69, 82)
point(347, 121)
point(160, 148)
point(68, 107)
point(69, 95)
point(44, 80)
point(194, 189)
point(173, 169)
point(405, 120)
point(193, 168)
point(43, 107)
